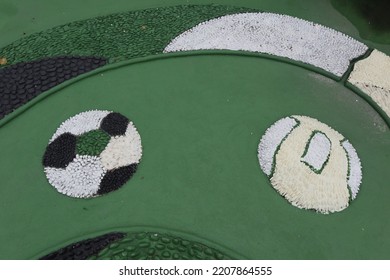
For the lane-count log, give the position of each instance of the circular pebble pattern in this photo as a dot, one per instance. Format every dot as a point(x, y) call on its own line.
point(137, 246)
point(310, 164)
point(22, 82)
point(92, 153)
point(158, 246)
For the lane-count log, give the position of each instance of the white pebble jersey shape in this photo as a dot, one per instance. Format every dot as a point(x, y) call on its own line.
point(325, 192)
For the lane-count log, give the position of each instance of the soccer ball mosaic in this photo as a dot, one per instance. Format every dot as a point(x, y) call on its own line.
point(92, 153)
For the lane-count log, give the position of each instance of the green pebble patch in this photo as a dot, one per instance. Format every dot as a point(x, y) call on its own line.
point(118, 36)
point(92, 143)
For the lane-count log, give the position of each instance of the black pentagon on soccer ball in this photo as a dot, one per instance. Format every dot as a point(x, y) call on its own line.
point(115, 124)
point(116, 178)
point(61, 151)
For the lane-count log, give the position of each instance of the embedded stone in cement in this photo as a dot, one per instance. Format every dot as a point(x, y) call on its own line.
point(271, 141)
point(22, 82)
point(274, 34)
point(318, 151)
point(314, 166)
point(86, 157)
point(355, 168)
point(372, 76)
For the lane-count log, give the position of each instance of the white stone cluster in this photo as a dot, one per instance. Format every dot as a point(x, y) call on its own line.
point(82, 177)
point(372, 76)
point(355, 168)
point(274, 34)
point(81, 123)
point(318, 151)
point(271, 140)
point(123, 150)
point(319, 146)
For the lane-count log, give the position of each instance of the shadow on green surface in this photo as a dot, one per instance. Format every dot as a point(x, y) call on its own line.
point(369, 17)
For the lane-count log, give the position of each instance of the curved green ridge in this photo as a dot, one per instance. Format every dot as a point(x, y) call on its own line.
point(135, 232)
point(130, 35)
point(158, 246)
point(114, 66)
point(92, 143)
point(117, 36)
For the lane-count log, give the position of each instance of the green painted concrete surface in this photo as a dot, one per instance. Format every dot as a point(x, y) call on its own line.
point(200, 120)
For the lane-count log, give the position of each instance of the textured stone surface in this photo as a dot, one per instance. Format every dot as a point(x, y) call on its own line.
point(88, 156)
point(118, 36)
point(157, 246)
point(22, 82)
point(116, 178)
point(92, 143)
point(311, 172)
point(317, 151)
point(113, 155)
point(274, 34)
point(372, 76)
point(81, 178)
point(271, 141)
point(61, 151)
point(114, 124)
point(354, 168)
point(81, 123)
point(84, 249)
point(137, 246)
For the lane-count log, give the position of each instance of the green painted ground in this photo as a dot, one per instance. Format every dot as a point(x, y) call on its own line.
point(200, 119)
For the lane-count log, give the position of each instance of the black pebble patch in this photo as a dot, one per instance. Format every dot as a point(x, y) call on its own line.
point(116, 178)
point(22, 82)
point(61, 151)
point(84, 249)
point(115, 124)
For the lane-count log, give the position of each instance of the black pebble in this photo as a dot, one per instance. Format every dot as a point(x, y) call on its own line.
point(39, 76)
point(116, 178)
point(115, 124)
point(61, 151)
point(84, 249)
